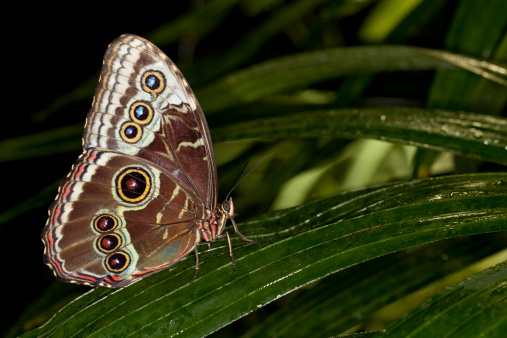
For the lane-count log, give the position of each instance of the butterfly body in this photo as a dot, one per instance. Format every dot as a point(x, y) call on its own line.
point(142, 195)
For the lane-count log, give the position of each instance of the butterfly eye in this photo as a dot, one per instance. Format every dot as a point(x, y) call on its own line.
point(153, 82)
point(131, 132)
point(109, 242)
point(105, 223)
point(133, 185)
point(141, 112)
point(118, 261)
point(226, 206)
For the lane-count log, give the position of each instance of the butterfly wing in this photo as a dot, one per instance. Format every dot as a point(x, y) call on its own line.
point(117, 218)
point(134, 199)
point(144, 107)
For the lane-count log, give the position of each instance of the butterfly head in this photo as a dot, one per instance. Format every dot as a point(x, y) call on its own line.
point(225, 212)
point(228, 208)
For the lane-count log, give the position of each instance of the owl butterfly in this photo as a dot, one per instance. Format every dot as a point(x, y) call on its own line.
point(143, 194)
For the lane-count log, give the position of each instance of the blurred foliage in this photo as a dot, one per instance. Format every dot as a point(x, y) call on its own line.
point(383, 128)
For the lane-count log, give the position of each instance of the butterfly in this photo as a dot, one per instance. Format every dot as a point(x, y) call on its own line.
point(143, 194)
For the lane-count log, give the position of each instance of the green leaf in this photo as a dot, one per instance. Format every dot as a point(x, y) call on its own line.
point(299, 71)
point(384, 18)
point(293, 248)
point(473, 307)
point(458, 88)
point(201, 21)
point(481, 38)
point(251, 43)
point(326, 306)
point(473, 135)
point(50, 142)
point(478, 136)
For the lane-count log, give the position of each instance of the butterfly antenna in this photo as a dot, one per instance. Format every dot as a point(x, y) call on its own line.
point(238, 180)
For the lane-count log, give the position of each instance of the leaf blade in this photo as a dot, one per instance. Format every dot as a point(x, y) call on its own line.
point(270, 269)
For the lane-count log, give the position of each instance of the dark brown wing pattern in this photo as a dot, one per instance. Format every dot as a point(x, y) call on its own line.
point(144, 107)
point(134, 200)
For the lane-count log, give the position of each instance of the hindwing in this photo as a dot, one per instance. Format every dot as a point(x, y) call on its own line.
point(118, 217)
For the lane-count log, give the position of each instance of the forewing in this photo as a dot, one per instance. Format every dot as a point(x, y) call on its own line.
point(144, 107)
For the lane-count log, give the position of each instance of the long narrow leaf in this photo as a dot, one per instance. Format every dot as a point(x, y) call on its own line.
point(276, 265)
point(366, 288)
point(474, 307)
point(304, 69)
point(479, 136)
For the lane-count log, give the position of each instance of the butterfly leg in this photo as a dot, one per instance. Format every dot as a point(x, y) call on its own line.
point(230, 249)
point(196, 264)
point(197, 259)
point(239, 233)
